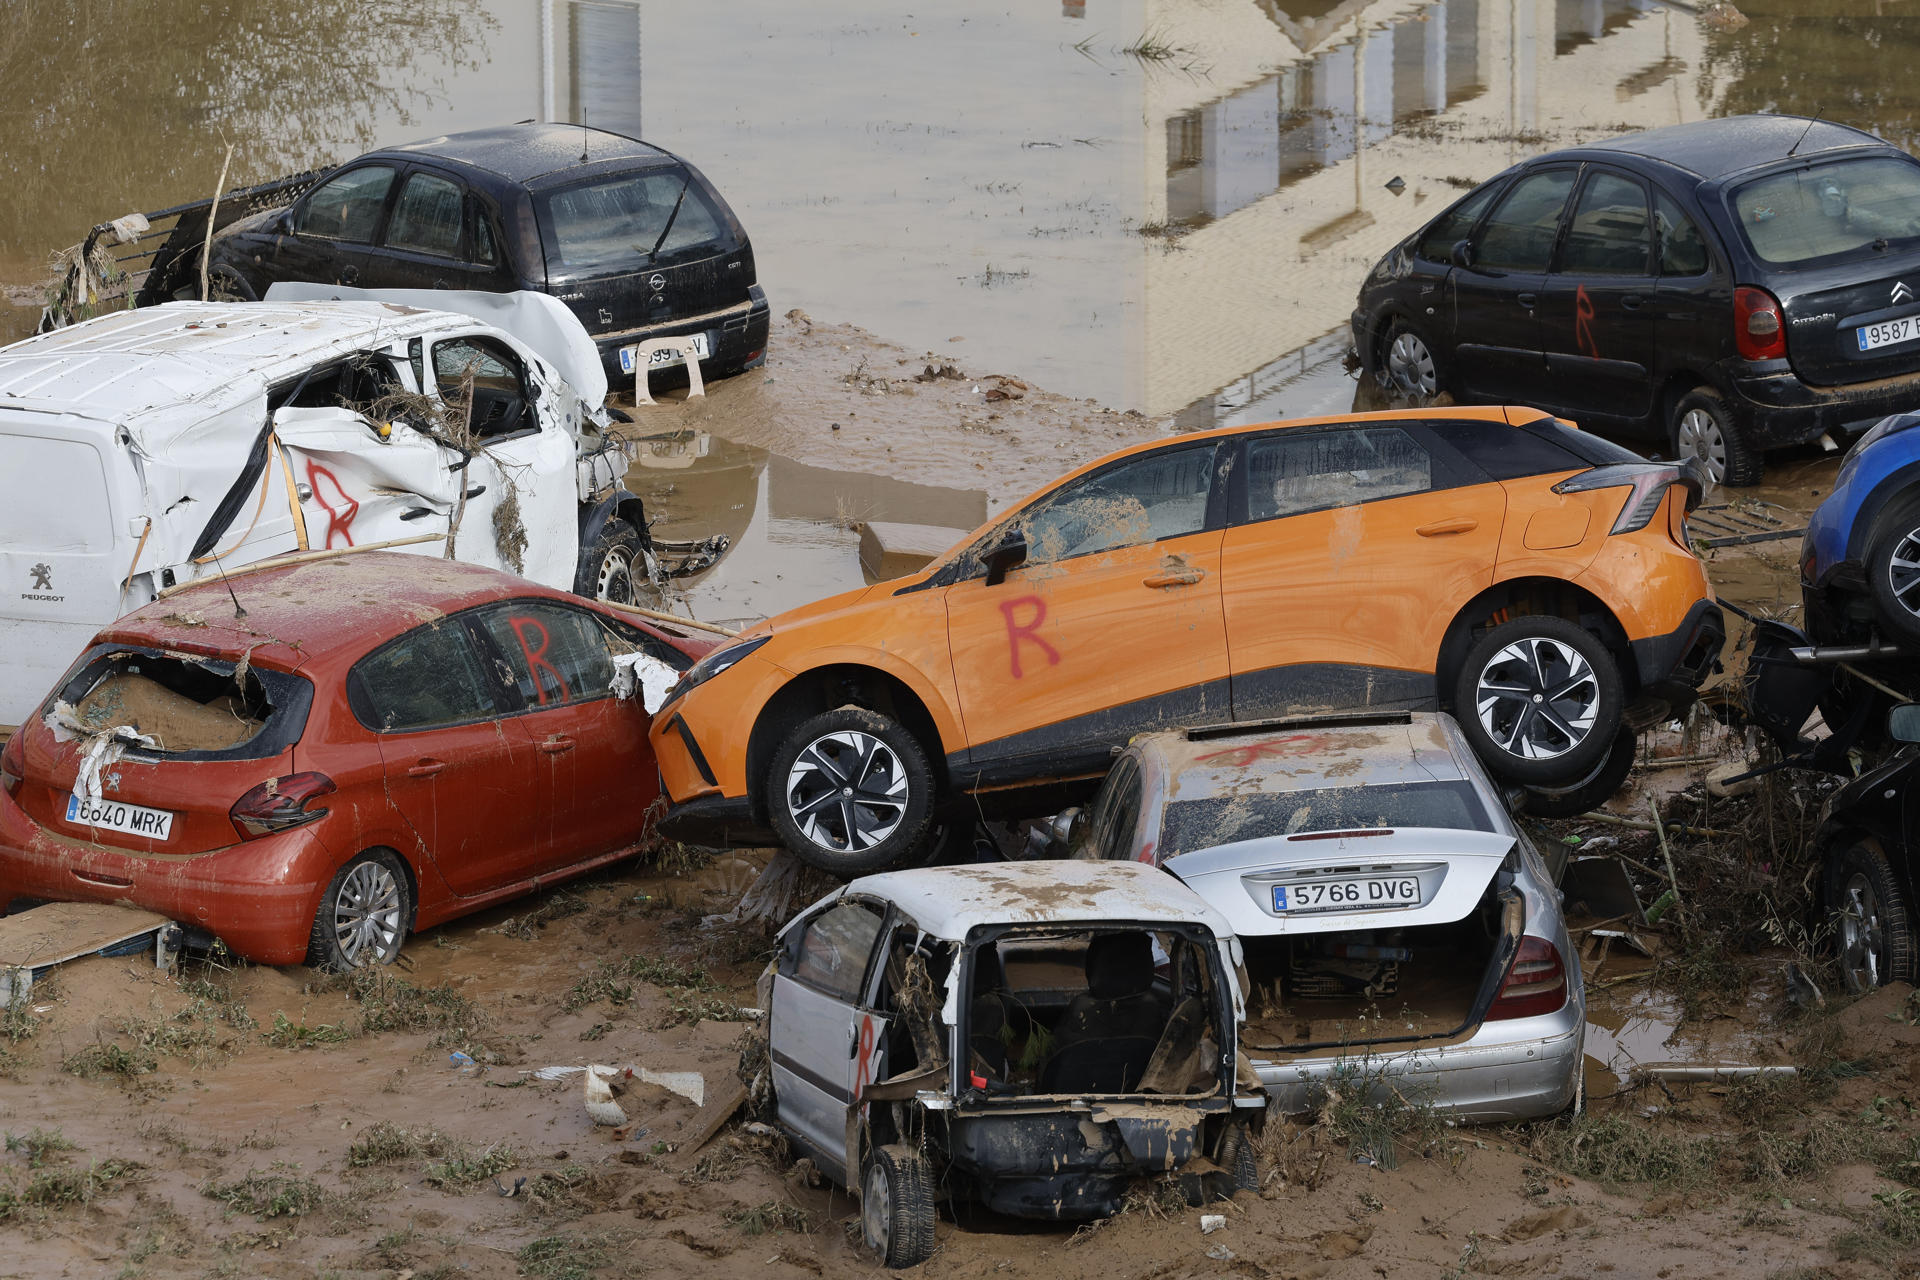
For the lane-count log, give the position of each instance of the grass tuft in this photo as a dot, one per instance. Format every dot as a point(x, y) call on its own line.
point(769, 1215)
point(281, 1193)
point(39, 1147)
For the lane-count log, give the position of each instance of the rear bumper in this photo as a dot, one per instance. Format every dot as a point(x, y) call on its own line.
point(737, 336)
point(1674, 666)
point(1777, 409)
point(258, 896)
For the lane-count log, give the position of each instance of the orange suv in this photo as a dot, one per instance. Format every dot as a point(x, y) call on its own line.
point(1497, 563)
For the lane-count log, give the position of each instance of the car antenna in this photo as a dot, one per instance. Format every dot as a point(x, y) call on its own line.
point(238, 612)
point(584, 135)
point(1803, 133)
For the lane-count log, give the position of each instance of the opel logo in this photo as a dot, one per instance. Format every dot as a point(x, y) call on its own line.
point(1901, 293)
point(659, 282)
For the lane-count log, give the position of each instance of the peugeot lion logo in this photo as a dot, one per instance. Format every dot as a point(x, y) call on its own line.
point(42, 577)
point(1901, 293)
point(657, 282)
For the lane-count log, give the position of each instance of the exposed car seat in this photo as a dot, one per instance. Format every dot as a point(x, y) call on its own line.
point(996, 1021)
point(1108, 1034)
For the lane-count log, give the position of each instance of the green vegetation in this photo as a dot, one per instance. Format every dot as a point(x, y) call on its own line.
point(283, 1192)
point(462, 1167)
point(39, 1146)
point(104, 1058)
point(770, 1215)
point(567, 1257)
point(57, 1188)
point(285, 1034)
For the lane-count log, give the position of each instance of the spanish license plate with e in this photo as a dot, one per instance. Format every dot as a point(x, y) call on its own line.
point(114, 815)
point(1887, 333)
point(1361, 893)
point(702, 350)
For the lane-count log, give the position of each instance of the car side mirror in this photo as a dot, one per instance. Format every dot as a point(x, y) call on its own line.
point(1064, 826)
point(1462, 253)
point(1012, 551)
point(1903, 722)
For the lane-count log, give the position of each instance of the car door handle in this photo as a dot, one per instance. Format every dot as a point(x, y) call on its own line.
point(1173, 578)
point(1632, 302)
point(1458, 524)
point(439, 284)
point(425, 768)
point(556, 744)
point(1527, 300)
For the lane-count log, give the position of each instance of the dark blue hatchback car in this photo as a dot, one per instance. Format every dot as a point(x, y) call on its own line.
point(1860, 560)
point(1733, 286)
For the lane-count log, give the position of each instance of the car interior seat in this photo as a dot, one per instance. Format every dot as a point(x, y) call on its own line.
point(1108, 1033)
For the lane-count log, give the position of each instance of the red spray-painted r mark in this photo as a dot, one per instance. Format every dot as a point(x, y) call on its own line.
point(339, 520)
point(1583, 324)
point(536, 656)
point(1028, 631)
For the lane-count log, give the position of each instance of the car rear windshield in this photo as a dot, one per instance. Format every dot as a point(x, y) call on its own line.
point(615, 224)
point(1217, 820)
point(1839, 209)
point(187, 708)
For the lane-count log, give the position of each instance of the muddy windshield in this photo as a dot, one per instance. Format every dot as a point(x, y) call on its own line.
point(182, 707)
point(1202, 824)
point(1829, 211)
point(627, 222)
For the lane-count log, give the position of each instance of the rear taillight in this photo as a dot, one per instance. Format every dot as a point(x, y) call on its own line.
point(11, 770)
point(1648, 482)
point(280, 803)
point(1536, 984)
point(1759, 330)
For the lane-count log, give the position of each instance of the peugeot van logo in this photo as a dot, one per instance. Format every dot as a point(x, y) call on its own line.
point(42, 577)
point(657, 282)
point(1901, 293)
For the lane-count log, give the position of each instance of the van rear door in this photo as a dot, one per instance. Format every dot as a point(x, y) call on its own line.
point(67, 493)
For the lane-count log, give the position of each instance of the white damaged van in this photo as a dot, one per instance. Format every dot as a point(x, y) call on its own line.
point(148, 448)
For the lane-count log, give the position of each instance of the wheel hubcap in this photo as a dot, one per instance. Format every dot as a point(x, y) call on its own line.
point(847, 791)
point(615, 581)
point(876, 1211)
point(1699, 436)
point(1410, 366)
point(1903, 572)
point(366, 915)
point(1860, 934)
point(1538, 698)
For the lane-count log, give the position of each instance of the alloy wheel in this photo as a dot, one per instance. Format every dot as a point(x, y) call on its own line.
point(1410, 365)
point(615, 579)
point(1861, 934)
point(1537, 698)
point(366, 915)
point(847, 791)
point(876, 1209)
point(1699, 436)
point(1903, 571)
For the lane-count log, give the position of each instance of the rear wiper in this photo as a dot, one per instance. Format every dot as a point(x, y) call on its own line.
point(664, 231)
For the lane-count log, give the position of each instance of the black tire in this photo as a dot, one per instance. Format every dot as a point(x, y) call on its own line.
point(1591, 792)
point(896, 1206)
point(1702, 427)
point(348, 936)
point(615, 565)
point(885, 786)
point(1872, 921)
point(1553, 701)
point(1895, 591)
point(1240, 1160)
point(1409, 364)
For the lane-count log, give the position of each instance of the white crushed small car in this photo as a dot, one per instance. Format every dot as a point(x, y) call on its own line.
point(150, 448)
point(1397, 926)
point(1030, 1037)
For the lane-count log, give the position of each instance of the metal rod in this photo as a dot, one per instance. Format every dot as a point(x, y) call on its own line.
point(1813, 655)
point(1716, 1073)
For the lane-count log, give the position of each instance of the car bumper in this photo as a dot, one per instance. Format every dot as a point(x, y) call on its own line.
point(1777, 409)
point(258, 897)
point(719, 822)
point(1516, 1077)
point(737, 336)
point(1674, 666)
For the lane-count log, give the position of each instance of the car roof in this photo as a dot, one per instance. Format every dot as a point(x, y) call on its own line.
point(318, 611)
point(524, 152)
point(949, 902)
point(1309, 754)
point(1716, 148)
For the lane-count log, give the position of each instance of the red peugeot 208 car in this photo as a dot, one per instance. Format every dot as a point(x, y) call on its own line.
point(379, 743)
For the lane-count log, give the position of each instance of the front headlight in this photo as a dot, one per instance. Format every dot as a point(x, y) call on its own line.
point(713, 664)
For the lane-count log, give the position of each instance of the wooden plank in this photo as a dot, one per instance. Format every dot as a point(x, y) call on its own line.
point(62, 931)
point(725, 1098)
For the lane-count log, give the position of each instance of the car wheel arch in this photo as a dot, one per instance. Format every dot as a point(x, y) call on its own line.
point(1886, 496)
point(1531, 597)
point(832, 685)
point(406, 865)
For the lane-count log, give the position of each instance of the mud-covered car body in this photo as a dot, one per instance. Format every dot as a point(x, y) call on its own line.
point(1397, 926)
point(892, 1015)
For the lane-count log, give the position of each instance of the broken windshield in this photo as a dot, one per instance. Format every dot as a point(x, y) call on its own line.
point(626, 222)
point(183, 707)
point(1218, 820)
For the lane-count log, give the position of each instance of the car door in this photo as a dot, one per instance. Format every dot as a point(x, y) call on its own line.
point(1497, 291)
point(520, 451)
point(1111, 625)
point(465, 777)
point(425, 244)
point(1349, 550)
point(333, 227)
point(1692, 326)
point(599, 767)
point(816, 1026)
point(1597, 308)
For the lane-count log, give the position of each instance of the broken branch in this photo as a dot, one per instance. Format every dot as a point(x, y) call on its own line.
point(206, 249)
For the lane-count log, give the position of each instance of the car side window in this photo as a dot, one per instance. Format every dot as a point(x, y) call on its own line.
point(1455, 225)
point(483, 251)
point(348, 207)
point(1505, 452)
point(1608, 235)
point(1682, 247)
point(1519, 234)
point(1291, 473)
point(1159, 495)
point(499, 392)
point(428, 678)
point(554, 655)
point(427, 217)
point(833, 952)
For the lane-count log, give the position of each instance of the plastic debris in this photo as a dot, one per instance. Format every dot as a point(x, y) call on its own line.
point(1220, 1253)
point(646, 674)
point(519, 1184)
point(1212, 1222)
point(458, 1059)
point(601, 1107)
